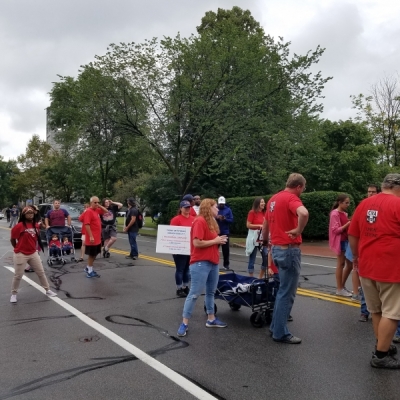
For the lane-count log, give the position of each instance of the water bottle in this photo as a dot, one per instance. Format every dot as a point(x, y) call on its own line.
point(258, 295)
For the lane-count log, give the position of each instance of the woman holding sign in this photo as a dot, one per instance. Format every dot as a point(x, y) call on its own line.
point(182, 260)
point(204, 260)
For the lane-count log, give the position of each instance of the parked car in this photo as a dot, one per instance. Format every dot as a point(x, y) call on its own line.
point(74, 210)
point(1, 215)
point(122, 212)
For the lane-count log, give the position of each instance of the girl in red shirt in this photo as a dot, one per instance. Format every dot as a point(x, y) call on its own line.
point(338, 242)
point(24, 239)
point(204, 259)
point(255, 220)
point(182, 260)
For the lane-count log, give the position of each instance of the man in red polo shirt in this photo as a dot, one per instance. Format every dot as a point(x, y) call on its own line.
point(285, 219)
point(92, 223)
point(374, 237)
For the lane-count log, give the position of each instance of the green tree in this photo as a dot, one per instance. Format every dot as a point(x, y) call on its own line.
point(380, 112)
point(192, 99)
point(90, 136)
point(33, 163)
point(338, 156)
point(8, 171)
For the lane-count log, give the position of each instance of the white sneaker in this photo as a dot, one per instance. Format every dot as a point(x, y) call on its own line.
point(344, 293)
point(50, 293)
point(13, 298)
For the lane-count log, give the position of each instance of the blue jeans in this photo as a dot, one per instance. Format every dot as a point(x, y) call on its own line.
point(288, 262)
point(132, 241)
point(203, 274)
point(252, 259)
point(55, 252)
point(182, 269)
point(364, 310)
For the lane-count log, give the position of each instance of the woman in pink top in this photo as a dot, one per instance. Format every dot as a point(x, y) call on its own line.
point(338, 242)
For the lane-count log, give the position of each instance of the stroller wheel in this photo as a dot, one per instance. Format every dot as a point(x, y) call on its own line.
point(48, 262)
point(234, 306)
point(256, 320)
point(64, 262)
point(215, 309)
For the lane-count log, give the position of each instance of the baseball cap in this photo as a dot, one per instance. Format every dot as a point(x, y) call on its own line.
point(187, 197)
point(184, 203)
point(221, 200)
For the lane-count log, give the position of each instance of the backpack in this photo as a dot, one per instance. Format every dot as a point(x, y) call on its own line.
point(139, 219)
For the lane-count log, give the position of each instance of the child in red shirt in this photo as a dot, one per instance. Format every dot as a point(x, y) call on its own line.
point(54, 246)
point(66, 246)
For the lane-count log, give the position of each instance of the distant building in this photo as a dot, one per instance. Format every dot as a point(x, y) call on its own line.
point(51, 133)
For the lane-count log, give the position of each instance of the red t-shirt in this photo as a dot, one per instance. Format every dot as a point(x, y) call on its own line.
point(255, 218)
point(282, 217)
point(26, 238)
point(55, 243)
point(201, 231)
point(92, 217)
point(343, 221)
point(180, 220)
point(192, 212)
point(376, 222)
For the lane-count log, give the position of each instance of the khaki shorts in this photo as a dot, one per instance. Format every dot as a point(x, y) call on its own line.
point(382, 297)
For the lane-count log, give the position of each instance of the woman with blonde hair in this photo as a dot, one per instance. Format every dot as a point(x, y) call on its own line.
point(204, 260)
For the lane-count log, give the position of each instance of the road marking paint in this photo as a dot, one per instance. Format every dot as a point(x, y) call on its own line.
point(300, 291)
point(327, 297)
point(130, 348)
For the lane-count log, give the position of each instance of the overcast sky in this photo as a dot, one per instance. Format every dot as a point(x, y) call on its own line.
point(44, 38)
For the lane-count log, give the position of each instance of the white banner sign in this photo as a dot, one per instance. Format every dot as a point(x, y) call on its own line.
point(173, 239)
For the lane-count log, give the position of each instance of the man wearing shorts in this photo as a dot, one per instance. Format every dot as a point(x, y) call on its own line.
point(374, 237)
point(92, 223)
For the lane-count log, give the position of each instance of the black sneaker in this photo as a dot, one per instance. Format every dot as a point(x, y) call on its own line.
point(290, 318)
point(181, 293)
point(289, 340)
point(387, 362)
point(104, 253)
point(107, 254)
point(392, 350)
point(363, 318)
point(186, 290)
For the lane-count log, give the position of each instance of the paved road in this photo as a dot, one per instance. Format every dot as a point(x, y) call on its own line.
point(115, 338)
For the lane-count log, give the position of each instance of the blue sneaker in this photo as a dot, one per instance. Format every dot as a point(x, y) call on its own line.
point(182, 329)
point(216, 324)
point(92, 274)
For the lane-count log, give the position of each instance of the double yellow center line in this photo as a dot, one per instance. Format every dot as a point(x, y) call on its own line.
point(300, 291)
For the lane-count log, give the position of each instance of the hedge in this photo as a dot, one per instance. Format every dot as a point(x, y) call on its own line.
point(318, 204)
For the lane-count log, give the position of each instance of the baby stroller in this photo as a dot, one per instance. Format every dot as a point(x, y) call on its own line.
point(257, 294)
point(62, 256)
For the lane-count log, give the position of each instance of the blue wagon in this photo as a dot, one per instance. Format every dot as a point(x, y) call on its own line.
point(257, 294)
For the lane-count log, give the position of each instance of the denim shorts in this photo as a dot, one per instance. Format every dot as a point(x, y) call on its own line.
point(343, 245)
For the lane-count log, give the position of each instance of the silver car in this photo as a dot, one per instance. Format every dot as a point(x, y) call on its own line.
point(1, 215)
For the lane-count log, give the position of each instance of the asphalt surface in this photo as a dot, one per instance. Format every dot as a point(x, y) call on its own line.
point(51, 351)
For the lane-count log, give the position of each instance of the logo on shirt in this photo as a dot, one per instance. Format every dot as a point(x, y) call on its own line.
point(31, 231)
point(372, 215)
point(271, 206)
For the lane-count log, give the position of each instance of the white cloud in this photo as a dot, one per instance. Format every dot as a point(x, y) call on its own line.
point(44, 38)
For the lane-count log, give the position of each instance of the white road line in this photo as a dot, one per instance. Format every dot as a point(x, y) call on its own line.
point(130, 348)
